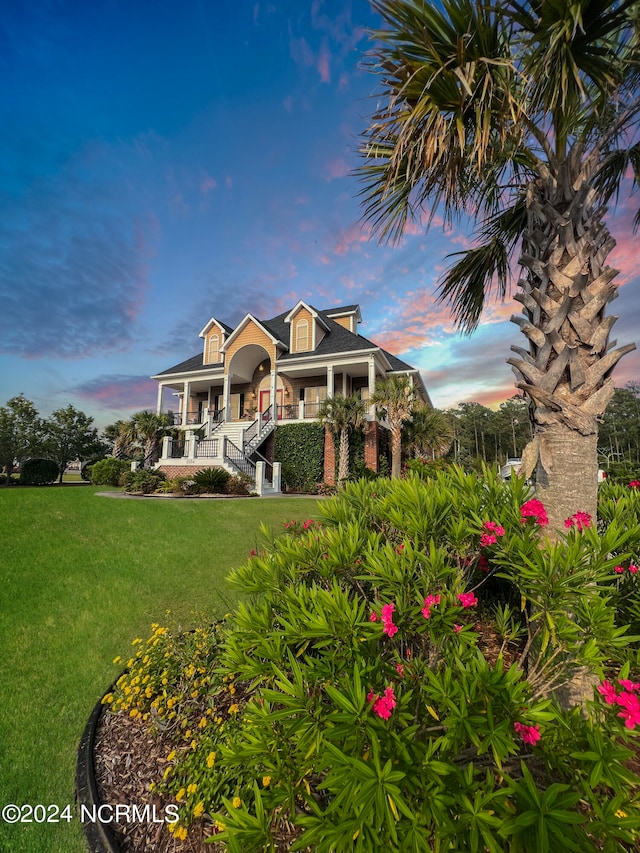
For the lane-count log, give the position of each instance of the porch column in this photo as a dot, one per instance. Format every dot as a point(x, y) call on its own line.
point(274, 391)
point(344, 383)
point(226, 395)
point(372, 386)
point(160, 395)
point(329, 380)
point(185, 403)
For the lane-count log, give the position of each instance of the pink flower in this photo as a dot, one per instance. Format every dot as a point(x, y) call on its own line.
point(619, 569)
point(631, 709)
point(400, 670)
point(371, 696)
point(373, 617)
point(457, 628)
point(633, 569)
point(580, 519)
point(467, 599)
point(487, 539)
point(429, 601)
point(529, 734)
point(388, 627)
point(308, 523)
point(633, 686)
point(608, 691)
point(634, 484)
point(494, 527)
point(384, 705)
point(534, 509)
point(483, 563)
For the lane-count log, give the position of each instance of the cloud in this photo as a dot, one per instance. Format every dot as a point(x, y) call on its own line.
point(337, 168)
point(120, 392)
point(323, 65)
point(208, 184)
point(71, 285)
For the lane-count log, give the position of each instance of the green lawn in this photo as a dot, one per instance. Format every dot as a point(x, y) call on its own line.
point(80, 576)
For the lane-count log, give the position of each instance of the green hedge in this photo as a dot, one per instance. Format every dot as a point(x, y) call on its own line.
point(300, 449)
point(39, 472)
point(109, 472)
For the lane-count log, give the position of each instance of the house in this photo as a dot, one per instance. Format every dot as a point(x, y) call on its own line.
point(249, 380)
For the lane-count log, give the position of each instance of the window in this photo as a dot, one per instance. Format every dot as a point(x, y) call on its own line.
point(213, 355)
point(302, 335)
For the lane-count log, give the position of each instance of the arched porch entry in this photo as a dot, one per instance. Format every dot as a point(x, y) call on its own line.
point(252, 383)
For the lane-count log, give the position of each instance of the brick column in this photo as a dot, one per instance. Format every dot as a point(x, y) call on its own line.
point(329, 458)
point(371, 429)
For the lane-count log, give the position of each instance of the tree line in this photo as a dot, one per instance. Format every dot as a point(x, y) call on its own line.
point(69, 434)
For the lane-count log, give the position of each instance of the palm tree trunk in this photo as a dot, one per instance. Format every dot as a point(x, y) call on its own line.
point(343, 464)
point(566, 372)
point(396, 452)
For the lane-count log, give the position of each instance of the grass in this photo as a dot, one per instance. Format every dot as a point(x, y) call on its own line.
point(82, 575)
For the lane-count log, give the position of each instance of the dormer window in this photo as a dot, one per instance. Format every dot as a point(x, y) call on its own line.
point(213, 352)
point(302, 335)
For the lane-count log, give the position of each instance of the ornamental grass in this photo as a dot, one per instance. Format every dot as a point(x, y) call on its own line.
point(390, 679)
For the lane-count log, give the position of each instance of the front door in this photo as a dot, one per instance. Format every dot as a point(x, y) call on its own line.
point(265, 399)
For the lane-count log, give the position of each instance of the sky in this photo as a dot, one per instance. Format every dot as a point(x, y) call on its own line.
point(165, 162)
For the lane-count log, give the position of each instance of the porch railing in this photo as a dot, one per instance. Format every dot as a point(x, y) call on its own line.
point(207, 448)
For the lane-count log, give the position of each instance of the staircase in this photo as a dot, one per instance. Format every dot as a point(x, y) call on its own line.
point(239, 445)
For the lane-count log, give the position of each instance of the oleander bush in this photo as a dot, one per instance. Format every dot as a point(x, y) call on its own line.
point(389, 682)
point(39, 472)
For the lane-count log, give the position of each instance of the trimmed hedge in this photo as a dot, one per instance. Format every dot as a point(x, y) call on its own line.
point(39, 472)
point(109, 472)
point(300, 449)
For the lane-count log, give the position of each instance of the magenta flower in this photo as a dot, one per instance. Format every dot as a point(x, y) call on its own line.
point(457, 628)
point(579, 519)
point(632, 686)
point(630, 705)
point(429, 601)
point(483, 563)
point(467, 599)
point(487, 539)
point(608, 692)
point(400, 670)
point(494, 527)
point(383, 705)
point(373, 617)
point(634, 484)
point(529, 734)
point(619, 569)
point(308, 523)
point(388, 627)
point(534, 509)
point(633, 569)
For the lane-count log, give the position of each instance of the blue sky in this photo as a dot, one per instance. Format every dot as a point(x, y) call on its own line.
point(164, 162)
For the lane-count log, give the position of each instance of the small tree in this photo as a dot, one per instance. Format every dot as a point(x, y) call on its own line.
point(429, 433)
point(20, 433)
point(342, 415)
point(394, 396)
point(149, 430)
point(69, 435)
point(121, 438)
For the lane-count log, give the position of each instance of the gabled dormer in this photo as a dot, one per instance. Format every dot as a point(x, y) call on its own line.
point(214, 333)
point(306, 328)
point(348, 317)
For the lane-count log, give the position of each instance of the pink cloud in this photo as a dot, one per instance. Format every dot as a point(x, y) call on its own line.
point(121, 393)
point(208, 184)
point(337, 168)
point(323, 64)
point(351, 238)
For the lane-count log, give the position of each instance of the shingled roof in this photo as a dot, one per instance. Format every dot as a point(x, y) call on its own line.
point(336, 341)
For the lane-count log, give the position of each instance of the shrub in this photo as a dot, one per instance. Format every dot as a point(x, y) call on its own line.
point(211, 480)
point(241, 484)
point(143, 481)
point(109, 472)
point(39, 472)
point(300, 448)
point(379, 691)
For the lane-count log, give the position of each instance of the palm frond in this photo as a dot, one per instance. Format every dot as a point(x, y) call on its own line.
point(485, 268)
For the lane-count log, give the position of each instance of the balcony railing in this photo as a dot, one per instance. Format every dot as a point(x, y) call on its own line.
point(207, 448)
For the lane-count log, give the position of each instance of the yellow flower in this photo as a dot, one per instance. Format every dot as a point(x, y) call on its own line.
point(621, 813)
point(117, 659)
point(237, 802)
point(192, 789)
point(210, 759)
point(233, 709)
point(220, 826)
point(198, 809)
point(180, 794)
point(108, 699)
point(203, 722)
point(181, 833)
point(171, 755)
point(136, 641)
point(266, 781)
point(232, 689)
point(166, 773)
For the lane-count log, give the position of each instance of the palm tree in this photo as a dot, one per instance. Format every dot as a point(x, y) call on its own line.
point(523, 115)
point(122, 436)
point(429, 433)
point(149, 429)
point(394, 396)
point(342, 415)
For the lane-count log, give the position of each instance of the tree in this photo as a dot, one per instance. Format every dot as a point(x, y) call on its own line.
point(523, 115)
point(121, 438)
point(149, 429)
point(342, 414)
point(395, 397)
point(20, 433)
point(429, 432)
point(68, 435)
